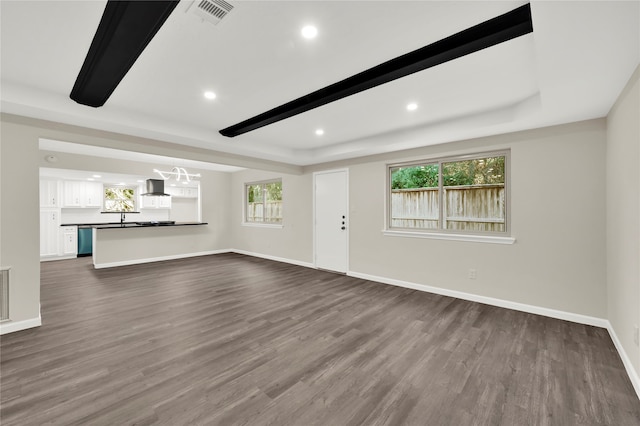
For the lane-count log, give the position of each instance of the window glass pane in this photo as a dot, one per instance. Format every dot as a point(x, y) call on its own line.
point(414, 197)
point(118, 199)
point(474, 194)
point(273, 205)
point(254, 193)
point(255, 207)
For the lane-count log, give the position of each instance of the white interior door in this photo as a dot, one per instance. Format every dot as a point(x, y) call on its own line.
point(331, 233)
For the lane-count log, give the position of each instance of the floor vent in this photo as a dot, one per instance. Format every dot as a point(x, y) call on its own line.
point(211, 10)
point(4, 294)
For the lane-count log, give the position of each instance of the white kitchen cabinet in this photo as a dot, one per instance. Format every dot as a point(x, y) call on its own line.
point(49, 231)
point(72, 193)
point(182, 192)
point(148, 202)
point(49, 193)
point(56, 242)
point(155, 202)
point(82, 194)
point(164, 202)
point(69, 240)
point(93, 194)
point(175, 191)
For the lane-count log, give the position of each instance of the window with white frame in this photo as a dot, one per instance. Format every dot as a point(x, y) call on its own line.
point(263, 202)
point(454, 194)
point(119, 199)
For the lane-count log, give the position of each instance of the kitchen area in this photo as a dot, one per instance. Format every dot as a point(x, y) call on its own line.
point(79, 210)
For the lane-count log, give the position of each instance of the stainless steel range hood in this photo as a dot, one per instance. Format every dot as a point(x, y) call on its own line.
point(155, 187)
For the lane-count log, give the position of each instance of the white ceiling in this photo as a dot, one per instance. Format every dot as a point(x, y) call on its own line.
point(572, 67)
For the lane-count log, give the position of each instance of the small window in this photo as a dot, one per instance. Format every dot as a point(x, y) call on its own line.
point(456, 194)
point(264, 202)
point(119, 199)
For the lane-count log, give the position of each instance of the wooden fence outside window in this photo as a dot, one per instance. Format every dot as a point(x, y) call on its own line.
point(269, 212)
point(469, 207)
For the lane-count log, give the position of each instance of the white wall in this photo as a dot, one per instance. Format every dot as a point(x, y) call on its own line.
point(623, 216)
point(19, 221)
point(184, 209)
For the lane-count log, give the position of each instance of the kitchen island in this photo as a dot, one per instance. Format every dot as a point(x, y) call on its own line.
point(129, 243)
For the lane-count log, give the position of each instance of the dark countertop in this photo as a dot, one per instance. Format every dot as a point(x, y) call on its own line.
point(94, 224)
point(118, 225)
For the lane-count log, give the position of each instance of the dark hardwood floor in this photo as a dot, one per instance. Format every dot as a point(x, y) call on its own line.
point(230, 339)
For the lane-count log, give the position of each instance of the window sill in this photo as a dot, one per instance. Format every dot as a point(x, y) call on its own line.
point(262, 225)
point(451, 237)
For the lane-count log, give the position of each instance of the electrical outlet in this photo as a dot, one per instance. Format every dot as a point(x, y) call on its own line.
point(472, 274)
point(636, 335)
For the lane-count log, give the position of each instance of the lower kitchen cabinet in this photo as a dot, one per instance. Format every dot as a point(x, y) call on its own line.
point(49, 232)
point(69, 241)
point(55, 241)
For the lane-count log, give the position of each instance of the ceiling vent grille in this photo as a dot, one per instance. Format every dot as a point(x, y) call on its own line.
point(211, 10)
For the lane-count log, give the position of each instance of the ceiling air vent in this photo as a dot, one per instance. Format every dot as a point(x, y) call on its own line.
point(211, 10)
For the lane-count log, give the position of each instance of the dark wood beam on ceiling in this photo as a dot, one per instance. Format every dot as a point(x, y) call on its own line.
point(125, 29)
point(486, 34)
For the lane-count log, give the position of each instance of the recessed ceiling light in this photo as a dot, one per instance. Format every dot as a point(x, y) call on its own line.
point(319, 132)
point(309, 32)
point(90, 179)
point(185, 182)
point(173, 184)
point(209, 95)
point(96, 176)
point(140, 181)
point(412, 106)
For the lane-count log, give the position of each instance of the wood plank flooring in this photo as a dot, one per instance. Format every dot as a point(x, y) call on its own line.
point(230, 340)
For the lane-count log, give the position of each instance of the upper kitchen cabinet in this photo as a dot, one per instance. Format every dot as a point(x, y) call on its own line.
point(82, 194)
point(49, 193)
point(182, 192)
point(72, 195)
point(93, 194)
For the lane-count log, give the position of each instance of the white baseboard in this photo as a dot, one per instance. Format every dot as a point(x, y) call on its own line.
point(631, 371)
point(158, 259)
point(13, 326)
point(53, 258)
point(277, 259)
point(552, 313)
